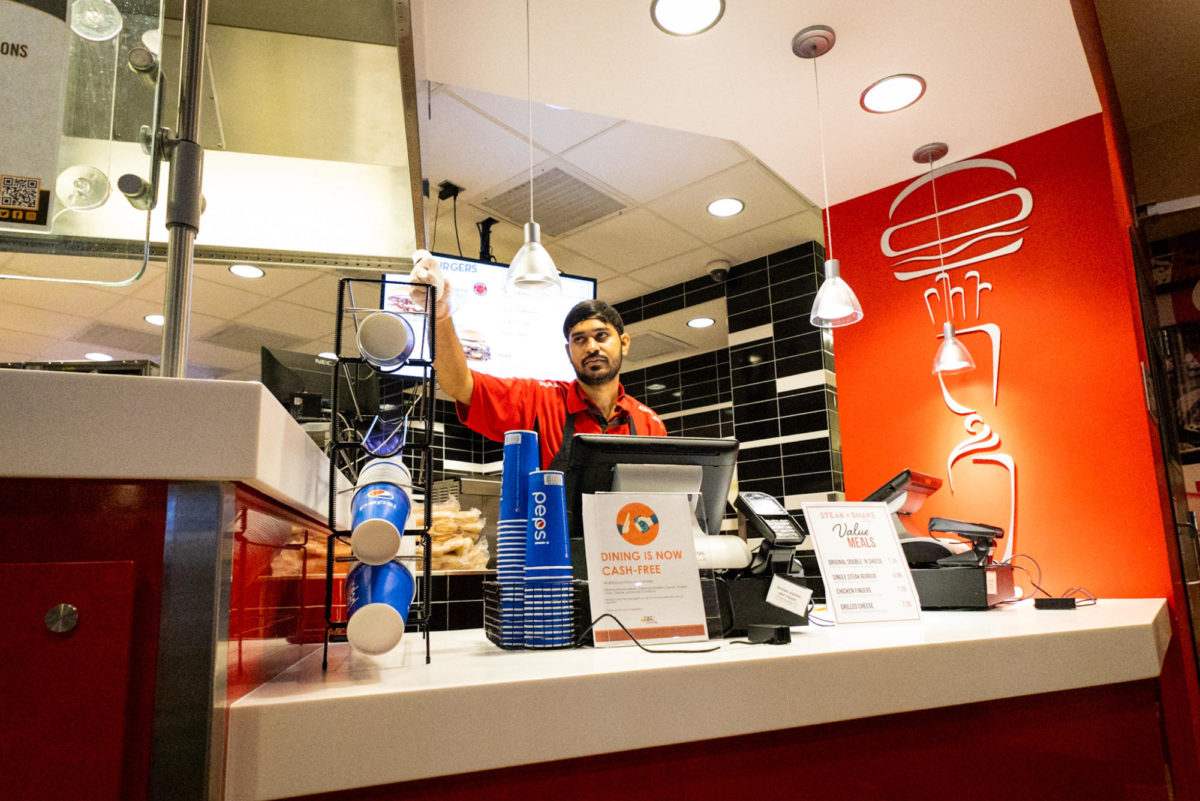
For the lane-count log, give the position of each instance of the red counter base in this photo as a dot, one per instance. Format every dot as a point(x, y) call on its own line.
point(1094, 743)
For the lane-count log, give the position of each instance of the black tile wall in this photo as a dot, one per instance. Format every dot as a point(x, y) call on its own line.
point(777, 290)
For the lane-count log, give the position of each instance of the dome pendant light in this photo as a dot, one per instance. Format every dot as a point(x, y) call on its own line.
point(952, 356)
point(532, 271)
point(835, 304)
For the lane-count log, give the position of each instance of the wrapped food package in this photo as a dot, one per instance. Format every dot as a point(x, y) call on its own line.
point(458, 543)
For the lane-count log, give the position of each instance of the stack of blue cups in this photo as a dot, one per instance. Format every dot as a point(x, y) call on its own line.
point(521, 457)
point(548, 592)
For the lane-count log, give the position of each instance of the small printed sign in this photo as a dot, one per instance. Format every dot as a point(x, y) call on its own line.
point(33, 70)
point(866, 575)
point(789, 595)
point(642, 567)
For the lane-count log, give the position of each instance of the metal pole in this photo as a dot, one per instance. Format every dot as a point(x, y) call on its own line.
point(183, 193)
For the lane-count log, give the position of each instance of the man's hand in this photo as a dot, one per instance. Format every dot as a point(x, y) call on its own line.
point(427, 272)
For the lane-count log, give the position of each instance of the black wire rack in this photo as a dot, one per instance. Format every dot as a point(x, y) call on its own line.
point(409, 392)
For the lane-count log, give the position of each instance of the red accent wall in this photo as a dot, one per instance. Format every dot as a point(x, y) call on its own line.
point(1070, 409)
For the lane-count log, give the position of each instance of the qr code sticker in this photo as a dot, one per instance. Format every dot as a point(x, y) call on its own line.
point(20, 193)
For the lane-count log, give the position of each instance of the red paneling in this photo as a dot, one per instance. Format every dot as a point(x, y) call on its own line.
point(64, 696)
point(268, 603)
point(1070, 408)
point(1101, 742)
point(83, 521)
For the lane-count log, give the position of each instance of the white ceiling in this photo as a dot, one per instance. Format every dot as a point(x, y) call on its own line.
point(663, 124)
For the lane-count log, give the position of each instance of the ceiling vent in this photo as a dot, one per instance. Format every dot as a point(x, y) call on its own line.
point(561, 202)
point(243, 337)
point(651, 345)
point(114, 336)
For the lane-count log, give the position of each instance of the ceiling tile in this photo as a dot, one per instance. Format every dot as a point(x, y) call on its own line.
point(72, 267)
point(225, 302)
point(289, 318)
point(210, 355)
point(766, 197)
point(615, 290)
point(131, 312)
point(772, 237)
point(630, 240)
point(463, 146)
point(554, 130)
point(678, 269)
point(56, 296)
point(275, 281)
point(30, 347)
point(29, 320)
point(571, 263)
point(645, 162)
point(319, 293)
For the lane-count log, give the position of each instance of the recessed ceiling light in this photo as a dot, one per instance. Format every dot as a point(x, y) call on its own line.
point(686, 17)
point(97, 356)
point(701, 322)
point(725, 207)
point(154, 319)
point(892, 93)
point(246, 271)
point(656, 387)
point(557, 108)
point(327, 354)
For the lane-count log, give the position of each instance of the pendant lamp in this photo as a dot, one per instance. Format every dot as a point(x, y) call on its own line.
point(835, 304)
point(532, 271)
point(952, 356)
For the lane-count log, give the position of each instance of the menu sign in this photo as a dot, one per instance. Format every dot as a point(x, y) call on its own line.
point(865, 572)
point(642, 567)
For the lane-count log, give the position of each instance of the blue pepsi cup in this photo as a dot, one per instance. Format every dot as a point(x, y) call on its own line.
point(385, 340)
point(377, 601)
point(547, 554)
point(379, 511)
point(521, 457)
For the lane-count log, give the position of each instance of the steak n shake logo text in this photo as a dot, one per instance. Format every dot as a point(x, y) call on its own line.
point(979, 246)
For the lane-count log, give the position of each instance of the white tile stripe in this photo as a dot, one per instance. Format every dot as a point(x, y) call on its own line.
point(712, 408)
point(470, 467)
point(813, 378)
point(419, 425)
point(762, 443)
point(751, 334)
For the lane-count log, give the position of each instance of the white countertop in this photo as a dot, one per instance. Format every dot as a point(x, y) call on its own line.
point(476, 707)
point(85, 425)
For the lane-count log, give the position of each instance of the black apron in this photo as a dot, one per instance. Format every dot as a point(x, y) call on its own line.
point(563, 457)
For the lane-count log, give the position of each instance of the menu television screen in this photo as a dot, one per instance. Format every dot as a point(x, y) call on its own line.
point(502, 335)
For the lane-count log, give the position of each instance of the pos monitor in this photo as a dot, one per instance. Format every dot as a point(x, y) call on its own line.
point(595, 457)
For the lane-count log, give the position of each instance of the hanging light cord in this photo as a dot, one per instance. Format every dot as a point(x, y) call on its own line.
point(937, 221)
point(824, 177)
point(529, 103)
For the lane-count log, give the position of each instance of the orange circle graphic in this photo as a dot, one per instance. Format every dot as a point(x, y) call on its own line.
point(637, 524)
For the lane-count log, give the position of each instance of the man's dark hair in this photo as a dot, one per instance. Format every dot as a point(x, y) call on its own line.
point(588, 309)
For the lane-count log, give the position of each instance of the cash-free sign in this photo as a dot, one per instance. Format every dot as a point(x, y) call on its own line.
point(642, 567)
point(866, 575)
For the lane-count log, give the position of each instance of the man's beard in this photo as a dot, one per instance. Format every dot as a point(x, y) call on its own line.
point(597, 379)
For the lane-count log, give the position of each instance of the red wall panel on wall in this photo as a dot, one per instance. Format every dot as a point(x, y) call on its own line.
point(1049, 288)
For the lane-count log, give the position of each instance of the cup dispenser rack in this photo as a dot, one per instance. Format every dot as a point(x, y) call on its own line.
point(364, 399)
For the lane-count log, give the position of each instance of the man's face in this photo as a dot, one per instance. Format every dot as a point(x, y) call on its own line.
point(596, 351)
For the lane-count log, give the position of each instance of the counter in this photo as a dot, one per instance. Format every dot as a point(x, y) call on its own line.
point(377, 721)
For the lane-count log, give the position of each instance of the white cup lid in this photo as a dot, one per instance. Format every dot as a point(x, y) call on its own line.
point(384, 336)
point(375, 629)
point(375, 541)
point(388, 471)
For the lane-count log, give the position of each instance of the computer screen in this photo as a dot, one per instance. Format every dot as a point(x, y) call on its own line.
point(906, 491)
point(594, 458)
point(503, 335)
point(303, 383)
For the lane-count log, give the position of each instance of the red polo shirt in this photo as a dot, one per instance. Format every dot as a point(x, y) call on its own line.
point(506, 404)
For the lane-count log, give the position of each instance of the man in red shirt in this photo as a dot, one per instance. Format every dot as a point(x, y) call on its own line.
point(595, 402)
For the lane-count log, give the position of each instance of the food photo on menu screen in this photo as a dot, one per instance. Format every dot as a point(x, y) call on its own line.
point(502, 334)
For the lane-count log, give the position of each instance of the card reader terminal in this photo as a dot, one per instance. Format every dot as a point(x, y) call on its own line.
point(769, 520)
